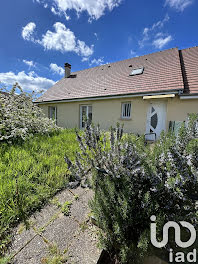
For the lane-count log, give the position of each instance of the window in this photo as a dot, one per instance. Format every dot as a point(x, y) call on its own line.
point(126, 110)
point(85, 115)
point(52, 112)
point(137, 71)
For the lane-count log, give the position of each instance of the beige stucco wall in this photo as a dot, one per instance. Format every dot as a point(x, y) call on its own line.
point(108, 112)
point(178, 110)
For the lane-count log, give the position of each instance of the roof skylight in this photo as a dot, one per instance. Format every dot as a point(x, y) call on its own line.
point(137, 71)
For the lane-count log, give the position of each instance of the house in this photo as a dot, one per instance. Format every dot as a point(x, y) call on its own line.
point(146, 93)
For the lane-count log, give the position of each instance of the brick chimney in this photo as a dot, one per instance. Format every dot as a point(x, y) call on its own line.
point(67, 70)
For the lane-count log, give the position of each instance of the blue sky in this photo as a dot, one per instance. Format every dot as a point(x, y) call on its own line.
point(39, 36)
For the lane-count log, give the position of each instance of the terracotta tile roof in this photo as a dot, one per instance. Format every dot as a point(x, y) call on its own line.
point(162, 73)
point(189, 62)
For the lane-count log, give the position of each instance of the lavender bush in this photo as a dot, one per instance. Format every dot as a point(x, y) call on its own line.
point(20, 118)
point(132, 182)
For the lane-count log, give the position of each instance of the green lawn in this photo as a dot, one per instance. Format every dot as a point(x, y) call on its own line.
point(30, 174)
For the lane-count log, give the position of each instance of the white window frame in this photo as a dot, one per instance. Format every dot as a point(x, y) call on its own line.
point(50, 116)
point(124, 110)
point(87, 113)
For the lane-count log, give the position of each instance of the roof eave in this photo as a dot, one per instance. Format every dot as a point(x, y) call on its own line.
point(106, 97)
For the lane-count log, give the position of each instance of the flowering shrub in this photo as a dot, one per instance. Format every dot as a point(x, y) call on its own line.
point(131, 183)
point(121, 186)
point(21, 118)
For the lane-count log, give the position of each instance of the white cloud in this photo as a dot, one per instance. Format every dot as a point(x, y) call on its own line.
point(83, 49)
point(160, 34)
point(59, 13)
point(85, 59)
point(54, 11)
point(179, 5)
point(29, 82)
point(28, 30)
point(56, 69)
point(64, 40)
point(94, 8)
point(29, 63)
point(155, 26)
point(96, 35)
point(161, 42)
point(97, 62)
point(159, 24)
point(150, 32)
point(133, 53)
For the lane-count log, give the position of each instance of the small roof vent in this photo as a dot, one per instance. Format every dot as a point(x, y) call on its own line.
point(137, 71)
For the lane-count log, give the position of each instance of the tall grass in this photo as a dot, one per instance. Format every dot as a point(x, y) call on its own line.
point(30, 174)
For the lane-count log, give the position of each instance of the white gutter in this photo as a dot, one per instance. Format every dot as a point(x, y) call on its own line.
point(186, 97)
point(105, 98)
